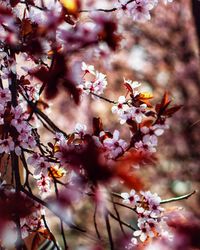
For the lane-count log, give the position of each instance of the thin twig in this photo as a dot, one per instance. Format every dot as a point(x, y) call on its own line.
point(186, 196)
point(124, 223)
point(47, 227)
point(103, 98)
point(95, 223)
point(26, 183)
point(43, 203)
point(61, 222)
point(105, 10)
point(109, 231)
point(118, 216)
point(123, 205)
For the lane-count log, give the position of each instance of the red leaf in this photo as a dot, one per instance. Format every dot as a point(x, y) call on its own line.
point(169, 112)
point(146, 123)
point(133, 125)
point(128, 87)
point(165, 100)
point(97, 126)
point(56, 77)
point(125, 170)
point(160, 108)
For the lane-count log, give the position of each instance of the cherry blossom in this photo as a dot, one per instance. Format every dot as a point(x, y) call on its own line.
point(88, 68)
point(44, 184)
point(40, 164)
point(131, 198)
point(146, 145)
point(134, 85)
point(149, 211)
point(80, 128)
point(120, 107)
point(143, 232)
point(5, 96)
point(153, 201)
point(64, 147)
point(97, 85)
point(143, 214)
point(140, 11)
point(6, 145)
point(32, 223)
point(34, 159)
point(115, 145)
point(138, 113)
point(19, 120)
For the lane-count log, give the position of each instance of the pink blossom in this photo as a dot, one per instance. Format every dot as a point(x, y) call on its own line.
point(131, 198)
point(143, 232)
point(31, 223)
point(138, 113)
point(140, 11)
point(120, 107)
point(95, 86)
point(41, 167)
point(88, 68)
point(153, 201)
point(143, 214)
point(5, 96)
point(146, 145)
point(34, 159)
point(6, 145)
point(19, 119)
point(151, 133)
point(115, 145)
point(44, 184)
point(40, 164)
point(63, 148)
point(80, 128)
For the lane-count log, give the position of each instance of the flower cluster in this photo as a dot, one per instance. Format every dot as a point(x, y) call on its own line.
point(44, 172)
point(18, 133)
point(40, 164)
point(128, 109)
point(33, 222)
point(139, 10)
point(95, 86)
point(149, 139)
point(44, 184)
point(115, 145)
point(149, 212)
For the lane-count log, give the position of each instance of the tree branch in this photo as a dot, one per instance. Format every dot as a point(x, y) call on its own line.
point(186, 196)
